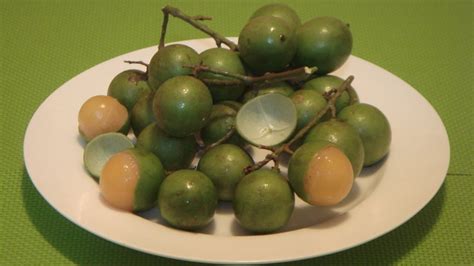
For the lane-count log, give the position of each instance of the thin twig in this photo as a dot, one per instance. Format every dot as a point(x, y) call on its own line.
point(164, 26)
point(175, 12)
point(199, 141)
point(302, 132)
point(300, 73)
point(220, 141)
point(136, 62)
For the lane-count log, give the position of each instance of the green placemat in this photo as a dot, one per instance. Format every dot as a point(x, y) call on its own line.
point(429, 44)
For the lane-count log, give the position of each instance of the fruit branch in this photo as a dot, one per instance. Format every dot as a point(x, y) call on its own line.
point(220, 141)
point(300, 73)
point(302, 132)
point(195, 22)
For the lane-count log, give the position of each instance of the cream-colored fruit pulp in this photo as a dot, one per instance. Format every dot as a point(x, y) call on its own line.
point(329, 177)
point(119, 179)
point(101, 114)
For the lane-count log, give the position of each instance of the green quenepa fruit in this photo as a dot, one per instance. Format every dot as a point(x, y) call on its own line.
point(324, 42)
point(263, 201)
point(308, 103)
point(320, 173)
point(344, 136)
point(281, 87)
point(326, 83)
point(128, 86)
point(267, 44)
point(373, 127)
point(280, 11)
point(142, 113)
point(187, 199)
point(130, 180)
point(174, 153)
point(221, 59)
point(221, 121)
point(182, 106)
point(169, 62)
point(224, 165)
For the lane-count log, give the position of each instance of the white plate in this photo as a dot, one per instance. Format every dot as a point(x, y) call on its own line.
point(384, 196)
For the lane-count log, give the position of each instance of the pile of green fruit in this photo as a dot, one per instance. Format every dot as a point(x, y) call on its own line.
point(185, 106)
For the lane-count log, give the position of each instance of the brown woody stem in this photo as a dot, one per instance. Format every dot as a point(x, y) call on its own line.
point(302, 132)
point(195, 22)
point(301, 73)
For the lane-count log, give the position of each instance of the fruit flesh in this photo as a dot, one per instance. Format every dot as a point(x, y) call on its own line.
point(101, 114)
point(329, 177)
point(119, 180)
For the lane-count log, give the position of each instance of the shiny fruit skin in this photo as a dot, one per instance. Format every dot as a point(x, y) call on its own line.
point(168, 62)
point(174, 153)
point(281, 11)
point(187, 199)
point(282, 88)
point(224, 165)
point(182, 106)
point(142, 113)
point(128, 86)
point(308, 103)
point(221, 59)
point(221, 121)
point(324, 84)
point(267, 44)
point(263, 201)
point(324, 42)
point(373, 127)
point(344, 136)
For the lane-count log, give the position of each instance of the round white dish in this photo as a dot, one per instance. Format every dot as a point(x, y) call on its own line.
point(383, 197)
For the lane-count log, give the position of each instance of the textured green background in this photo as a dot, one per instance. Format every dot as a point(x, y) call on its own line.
point(429, 44)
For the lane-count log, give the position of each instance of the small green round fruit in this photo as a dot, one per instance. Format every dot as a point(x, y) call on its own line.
point(282, 88)
point(182, 106)
point(373, 127)
point(187, 199)
point(324, 42)
point(320, 173)
point(221, 121)
point(308, 103)
point(130, 180)
point(263, 201)
point(326, 83)
point(174, 153)
point(344, 136)
point(281, 11)
point(267, 44)
point(225, 60)
point(168, 62)
point(142, 113)
point(128, 86)
point(102, 114)
point(224, 165)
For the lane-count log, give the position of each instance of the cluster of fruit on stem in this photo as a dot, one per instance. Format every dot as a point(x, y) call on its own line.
point(297, 74)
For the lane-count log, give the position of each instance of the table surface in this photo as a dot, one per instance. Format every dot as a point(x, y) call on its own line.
point(429, 44)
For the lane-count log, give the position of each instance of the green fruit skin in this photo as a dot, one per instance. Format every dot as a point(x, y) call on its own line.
point(281, 11)
point(174, 153)
point(263, 201)
point(299, 163)
point(224, 165)
point(308, 103)
point(324, 42)
point(282, 88)
point(221, 59)
point(128, 86)
point(142, 113)
point(373, 127)
point(267, 44)
point(151, 175)
point(324, 84)
point(187, 199)
point(168, 62)
point(344, 136)
point(182, 106)
point(232, 104)
point(221, 121)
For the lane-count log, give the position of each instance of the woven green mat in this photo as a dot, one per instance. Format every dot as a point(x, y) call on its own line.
point(429, 44)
